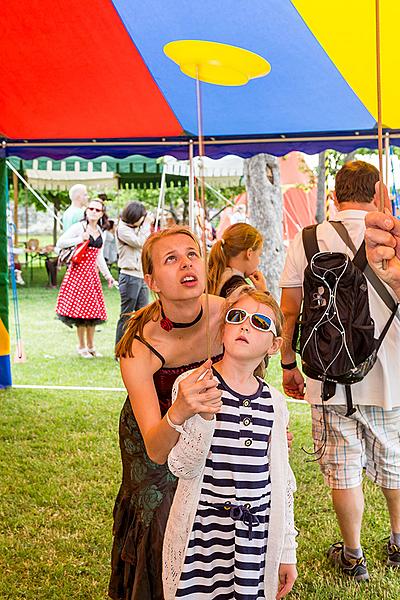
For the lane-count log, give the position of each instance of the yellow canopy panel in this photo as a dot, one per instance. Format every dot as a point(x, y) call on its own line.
point(4, 340)
point(346, 29)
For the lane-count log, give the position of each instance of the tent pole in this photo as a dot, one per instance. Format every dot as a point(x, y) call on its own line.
point(5, 364)
point(15, 195)
point(160, 206)
point(283, 139)
point(387, 157)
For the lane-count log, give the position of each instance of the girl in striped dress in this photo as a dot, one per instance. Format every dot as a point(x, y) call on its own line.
point(230, 533)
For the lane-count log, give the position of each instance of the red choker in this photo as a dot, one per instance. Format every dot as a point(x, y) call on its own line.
point(167, 324)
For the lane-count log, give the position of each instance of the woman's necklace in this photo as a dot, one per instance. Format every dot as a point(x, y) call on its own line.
point(167, 324)
point(93, 231)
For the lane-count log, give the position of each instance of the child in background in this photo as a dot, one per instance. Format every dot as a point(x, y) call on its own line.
point(234, 258)
point(230, 532)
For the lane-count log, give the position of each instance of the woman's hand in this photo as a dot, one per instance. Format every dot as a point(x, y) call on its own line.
point(197, 393)
point(85, 236)
point(287, 577)
point(258, 280)
point(111, 282)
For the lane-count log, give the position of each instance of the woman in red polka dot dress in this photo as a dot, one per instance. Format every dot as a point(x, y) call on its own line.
point(80, 301)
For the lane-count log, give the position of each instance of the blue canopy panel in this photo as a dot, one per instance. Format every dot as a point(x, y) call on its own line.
point(303, 92)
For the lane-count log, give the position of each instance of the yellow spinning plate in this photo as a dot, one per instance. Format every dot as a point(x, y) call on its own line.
point(216, 63)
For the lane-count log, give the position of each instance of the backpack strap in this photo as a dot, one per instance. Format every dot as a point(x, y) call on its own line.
point(310, 242)
point(360, 261)
point(341, 230)
point(349, 401)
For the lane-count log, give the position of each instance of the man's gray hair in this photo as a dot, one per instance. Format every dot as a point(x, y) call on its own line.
point(77, 190)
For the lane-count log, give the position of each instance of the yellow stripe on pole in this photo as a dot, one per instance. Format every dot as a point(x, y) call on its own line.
point(4, 340)
point(347, 30)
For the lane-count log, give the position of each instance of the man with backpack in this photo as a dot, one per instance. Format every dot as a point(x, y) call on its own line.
point(356, 423)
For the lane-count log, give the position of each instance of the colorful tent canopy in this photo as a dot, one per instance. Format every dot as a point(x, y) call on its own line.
point(91, 78)
point(75, 71)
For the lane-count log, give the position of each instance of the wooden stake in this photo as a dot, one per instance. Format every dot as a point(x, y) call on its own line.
point(203, 206)
point(379, 101)
point(191, 187)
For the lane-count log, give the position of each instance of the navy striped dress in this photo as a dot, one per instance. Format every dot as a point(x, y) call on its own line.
point(225, 559)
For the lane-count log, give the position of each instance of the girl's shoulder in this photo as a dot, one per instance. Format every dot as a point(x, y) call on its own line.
point(216, 303)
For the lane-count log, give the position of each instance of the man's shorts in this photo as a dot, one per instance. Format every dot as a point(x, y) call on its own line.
point(370, 438)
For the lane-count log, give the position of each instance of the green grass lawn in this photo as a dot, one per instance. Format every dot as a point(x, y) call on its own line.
point(60, 472)
point(50, 345)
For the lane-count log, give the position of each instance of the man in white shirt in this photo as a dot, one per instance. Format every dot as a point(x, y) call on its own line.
point(371, 436)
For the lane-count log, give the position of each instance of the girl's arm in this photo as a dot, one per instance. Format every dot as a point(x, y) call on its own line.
point(159, 437)
point(72, 237)
point(188, 457)
point(287, 567)
point(290, 544)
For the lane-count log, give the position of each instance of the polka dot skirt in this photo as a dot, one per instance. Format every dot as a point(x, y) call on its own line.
point(81, 296)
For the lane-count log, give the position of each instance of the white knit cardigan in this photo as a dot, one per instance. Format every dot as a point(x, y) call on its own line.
point(187, 461)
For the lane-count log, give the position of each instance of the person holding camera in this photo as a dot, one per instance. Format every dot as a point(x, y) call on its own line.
point(132, 231)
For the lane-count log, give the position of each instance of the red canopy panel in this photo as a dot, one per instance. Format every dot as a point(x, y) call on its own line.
point(74, 72)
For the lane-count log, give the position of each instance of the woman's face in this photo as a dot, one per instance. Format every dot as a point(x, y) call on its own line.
point(94, 211)
point(178, 272)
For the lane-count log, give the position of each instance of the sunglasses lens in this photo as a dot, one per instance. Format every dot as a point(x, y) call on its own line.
point(261, 322)
point(235, 316)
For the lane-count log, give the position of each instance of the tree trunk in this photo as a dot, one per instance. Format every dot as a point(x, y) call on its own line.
point(350, 156)
point(321, 189)
point(262, 179)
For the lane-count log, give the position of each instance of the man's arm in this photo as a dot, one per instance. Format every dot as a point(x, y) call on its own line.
point(293, 382)
point(382, 241)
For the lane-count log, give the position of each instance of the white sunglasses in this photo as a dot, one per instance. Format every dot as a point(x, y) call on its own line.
point(236, 316)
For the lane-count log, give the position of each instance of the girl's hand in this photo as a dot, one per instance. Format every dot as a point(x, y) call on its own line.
point(258, 280)
point(85, 236)
point(197, 393)
point(112, 282)
point(289, 437)
point(287, 577)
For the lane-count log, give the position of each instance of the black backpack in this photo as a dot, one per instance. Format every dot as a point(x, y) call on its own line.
point(335, 332)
